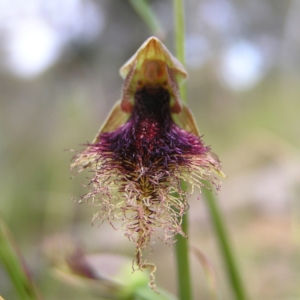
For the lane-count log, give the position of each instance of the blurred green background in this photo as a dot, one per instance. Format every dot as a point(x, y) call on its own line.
point(58, 80)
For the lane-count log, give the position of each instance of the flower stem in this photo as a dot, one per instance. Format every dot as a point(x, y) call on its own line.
point(181, 245)
point(180, 38)
point(143, 9)
point(183, 263)
point(225, 246)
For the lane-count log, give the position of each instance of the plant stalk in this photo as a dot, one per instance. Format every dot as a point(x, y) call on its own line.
point(180, 39)
point(143, 9)
point(183, 263)
point(224, 245)
point(181, 245)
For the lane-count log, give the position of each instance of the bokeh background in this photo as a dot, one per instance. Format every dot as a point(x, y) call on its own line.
point(59, 78)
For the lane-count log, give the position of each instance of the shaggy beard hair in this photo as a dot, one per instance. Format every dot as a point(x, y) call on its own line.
point(138, 170)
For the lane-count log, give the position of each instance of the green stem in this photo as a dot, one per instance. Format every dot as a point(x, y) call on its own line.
point(144, 11)
point(183, 263)
point(181, 245)
point(224, 244)
point(180, 39)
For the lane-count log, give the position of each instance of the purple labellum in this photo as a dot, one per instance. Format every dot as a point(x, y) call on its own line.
point(150, 138)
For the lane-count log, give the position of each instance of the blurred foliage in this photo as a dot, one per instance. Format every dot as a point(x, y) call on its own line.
point(254, 131)
point(11, 259)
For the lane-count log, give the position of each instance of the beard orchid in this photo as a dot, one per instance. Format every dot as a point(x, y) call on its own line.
point(148, 149)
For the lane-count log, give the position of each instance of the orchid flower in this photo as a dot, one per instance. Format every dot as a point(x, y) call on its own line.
point(147, 147)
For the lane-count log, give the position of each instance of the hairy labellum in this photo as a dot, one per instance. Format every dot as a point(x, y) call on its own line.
point(148, 146)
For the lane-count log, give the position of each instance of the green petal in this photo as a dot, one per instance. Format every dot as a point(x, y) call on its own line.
point(115, 119)
point(154, 49)
point(185, 120)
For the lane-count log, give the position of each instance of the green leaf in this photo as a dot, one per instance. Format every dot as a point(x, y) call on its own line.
point(15, 266)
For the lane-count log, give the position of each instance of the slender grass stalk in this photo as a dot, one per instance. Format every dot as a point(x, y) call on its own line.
point(183, 263)
point(15, 266)
point(224, 245)
point(216, 217)
point(144, 11)
point(181, 246)
point(180, 38)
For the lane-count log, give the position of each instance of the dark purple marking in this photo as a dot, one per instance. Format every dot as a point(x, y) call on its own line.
point(150, 135)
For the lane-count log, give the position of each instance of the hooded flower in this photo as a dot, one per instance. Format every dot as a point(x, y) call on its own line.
point(147, 148)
